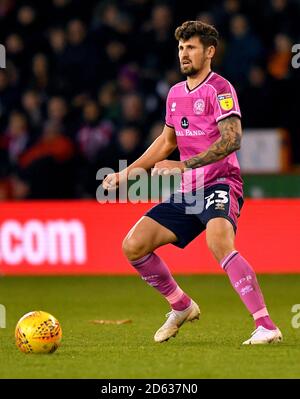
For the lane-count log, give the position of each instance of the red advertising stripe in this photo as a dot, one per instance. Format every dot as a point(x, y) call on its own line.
point(84, 237)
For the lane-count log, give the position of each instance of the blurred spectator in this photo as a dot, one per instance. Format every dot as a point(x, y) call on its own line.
point(223, 14)
point(128, 79)
point(243, 50)
point(8, 96)
point(110, 21)
point(95, 134)
point(58, 43)
point(280, 60)
point(158, 40)
point(13, 143)
point(58, 112)
point(32, 105)
point(93, 139)
point(114, 58)
point(40, 73)
point(256, 96)
point(28, 27)
point(47, 168)
point(14, 45)
point(128, 146)
point(81, 59)
point(109, 102)
point(133, 110)
point(17, 136)
point(52, 143)
point(57, 109)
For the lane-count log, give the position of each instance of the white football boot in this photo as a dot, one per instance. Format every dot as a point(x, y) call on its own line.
point(264, 336)
point(175, 320)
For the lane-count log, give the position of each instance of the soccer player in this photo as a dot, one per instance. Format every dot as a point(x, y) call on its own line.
point(203, 120)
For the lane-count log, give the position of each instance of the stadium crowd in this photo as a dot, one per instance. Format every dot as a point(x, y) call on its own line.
point(85, 82)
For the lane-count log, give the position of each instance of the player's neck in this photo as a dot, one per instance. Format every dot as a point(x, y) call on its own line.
point(196, 80)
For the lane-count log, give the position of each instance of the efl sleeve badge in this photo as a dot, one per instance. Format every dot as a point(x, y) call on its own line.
point(226, 101)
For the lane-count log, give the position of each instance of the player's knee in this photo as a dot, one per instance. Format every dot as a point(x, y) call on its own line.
point(133, 248)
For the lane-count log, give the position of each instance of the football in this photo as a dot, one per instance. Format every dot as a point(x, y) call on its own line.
point(38, 332)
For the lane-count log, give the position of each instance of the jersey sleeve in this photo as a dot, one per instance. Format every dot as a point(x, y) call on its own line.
point(168, 118)
point(225, 101)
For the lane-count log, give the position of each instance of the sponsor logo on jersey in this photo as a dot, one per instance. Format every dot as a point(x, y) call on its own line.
point(225, 101)
point(199, 106)
point(184, 123)
point(188, 132)
point(173, 107)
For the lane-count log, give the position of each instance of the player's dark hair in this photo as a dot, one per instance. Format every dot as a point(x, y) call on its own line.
point(207, 34)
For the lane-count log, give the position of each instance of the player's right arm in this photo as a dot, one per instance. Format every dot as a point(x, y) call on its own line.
point(159, 150)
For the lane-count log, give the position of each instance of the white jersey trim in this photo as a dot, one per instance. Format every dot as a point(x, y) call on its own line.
point(227, 114)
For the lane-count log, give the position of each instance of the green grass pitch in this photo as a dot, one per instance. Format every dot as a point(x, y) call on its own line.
point(208, 348)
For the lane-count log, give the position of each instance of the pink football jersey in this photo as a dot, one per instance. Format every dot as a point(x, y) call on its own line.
point(194, 115)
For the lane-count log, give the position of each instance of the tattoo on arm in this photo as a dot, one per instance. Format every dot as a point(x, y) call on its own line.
point(230, 141)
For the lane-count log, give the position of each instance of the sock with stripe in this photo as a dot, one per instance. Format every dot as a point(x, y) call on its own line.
point(244, 281)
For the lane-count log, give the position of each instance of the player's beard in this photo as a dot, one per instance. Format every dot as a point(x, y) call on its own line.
point(190, 70)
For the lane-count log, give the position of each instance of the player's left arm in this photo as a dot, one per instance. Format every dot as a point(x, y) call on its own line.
point(231, 134)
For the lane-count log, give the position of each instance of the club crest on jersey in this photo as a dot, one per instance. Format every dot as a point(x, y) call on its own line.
point(199, 106)
point(225, 101)
point(184, 123)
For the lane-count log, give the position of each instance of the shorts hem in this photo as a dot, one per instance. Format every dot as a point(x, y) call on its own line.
point(179, 243)
point(224, 217)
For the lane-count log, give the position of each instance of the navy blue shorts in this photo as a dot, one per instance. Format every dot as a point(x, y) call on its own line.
point(187, 218)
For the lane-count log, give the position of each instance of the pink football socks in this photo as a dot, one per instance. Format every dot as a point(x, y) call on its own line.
point(243, 280)
point(156, 273)
point(242, 277)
